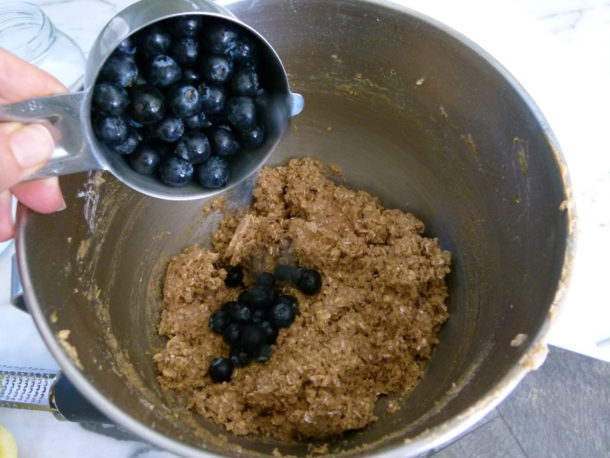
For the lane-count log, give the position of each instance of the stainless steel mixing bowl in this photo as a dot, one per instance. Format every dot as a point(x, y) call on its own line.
point(413, 113)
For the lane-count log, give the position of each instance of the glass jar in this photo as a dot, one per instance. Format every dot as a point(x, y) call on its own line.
point(25, 30)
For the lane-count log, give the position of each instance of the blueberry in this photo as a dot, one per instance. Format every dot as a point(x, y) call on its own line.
point(282, 315)
point(283, 271)
point(235, 276)
point(221, 370)
point(133, 123)
point(271, 332)
point(147, 104)
point(175, 171)
point(197, 122)
point(295, 274)
point(263, 354)
point(290, 300)
point(163, 71)
point(243, 51)
point(216, 69)
point(113, 130)
point(245, 82)
point(219, 320)
point(220, 38)
point(289, 273)
point(232, 333)
point(191, 76)
point(265, 279)
point(169, 129)
point(258, 297)
point(145, 159)
point(193, 147)
point(252, 138)
point(212, 98)
point(238, 312)
point(184, 100)
point(184, 50)
point(213, 173)
point(153, 40)
point(129, 145)
point(120, 69)
point(239, 356)
point(127, 46)
point(258, 316)
point(310, 282)
point(224, 143)
point(252, 338)
point(185, 26)
point(241, 112)
point(109, 99)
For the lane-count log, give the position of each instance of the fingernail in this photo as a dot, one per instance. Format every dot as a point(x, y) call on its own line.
point(31, 145)
point(63, 206)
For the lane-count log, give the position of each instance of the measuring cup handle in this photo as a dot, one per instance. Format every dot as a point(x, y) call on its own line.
point(62, 116)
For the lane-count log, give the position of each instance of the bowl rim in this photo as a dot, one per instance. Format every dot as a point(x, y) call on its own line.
point(533, 355)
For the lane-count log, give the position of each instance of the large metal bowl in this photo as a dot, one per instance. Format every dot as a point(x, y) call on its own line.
point(413, 113)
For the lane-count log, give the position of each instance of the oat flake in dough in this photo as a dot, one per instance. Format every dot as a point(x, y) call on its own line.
point(367, 333)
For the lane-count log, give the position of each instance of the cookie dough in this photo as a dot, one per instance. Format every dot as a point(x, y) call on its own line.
point(366, 334)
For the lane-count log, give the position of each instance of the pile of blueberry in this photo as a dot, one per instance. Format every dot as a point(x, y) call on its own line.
point(251, 324)
point(180, 99)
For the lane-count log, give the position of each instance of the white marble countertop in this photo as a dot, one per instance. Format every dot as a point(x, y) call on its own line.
point(558, 49)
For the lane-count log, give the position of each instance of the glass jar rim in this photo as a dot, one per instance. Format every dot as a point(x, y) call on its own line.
point(28, 27)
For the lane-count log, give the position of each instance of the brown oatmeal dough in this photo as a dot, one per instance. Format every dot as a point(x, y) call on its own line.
point(366, 334)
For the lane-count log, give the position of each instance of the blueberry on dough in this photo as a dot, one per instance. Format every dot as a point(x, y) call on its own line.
point(282, 315)
point(219, 320)
point(310, 282)
point(221, 370)
point(235, 276)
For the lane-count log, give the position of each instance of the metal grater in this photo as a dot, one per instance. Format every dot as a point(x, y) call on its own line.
point(27, 388)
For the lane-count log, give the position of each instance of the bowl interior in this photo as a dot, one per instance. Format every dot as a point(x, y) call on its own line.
point(411, 113)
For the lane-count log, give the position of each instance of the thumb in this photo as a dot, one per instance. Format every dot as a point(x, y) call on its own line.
point(29, 147)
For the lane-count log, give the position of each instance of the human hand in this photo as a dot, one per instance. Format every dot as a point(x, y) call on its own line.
point(24, 149)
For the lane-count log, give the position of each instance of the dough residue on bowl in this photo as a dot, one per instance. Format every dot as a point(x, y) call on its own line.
point(367, 333)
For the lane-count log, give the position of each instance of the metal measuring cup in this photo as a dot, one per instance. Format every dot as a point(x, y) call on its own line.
point(68, 116)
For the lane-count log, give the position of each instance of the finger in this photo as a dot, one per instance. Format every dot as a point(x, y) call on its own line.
point(7, 226)
point(23, 151)
point(42, 196)
point(20, 80)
